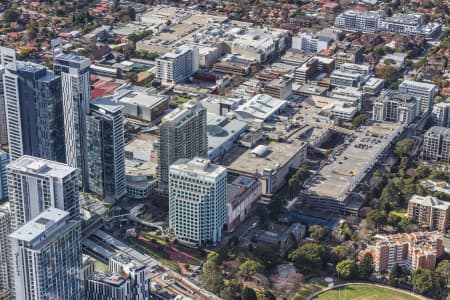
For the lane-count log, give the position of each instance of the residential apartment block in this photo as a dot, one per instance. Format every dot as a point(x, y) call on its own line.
point(4, 161)
point(36, 184)
point(3, 123)
point(100, 286)
point(394, 106)
point(436, 144)
point(408, 250)
point(441, 114)
point(403, 23)
point(365, 21)
point(310, 43)
point(6, 272)
point(47, 257)
point(177, 66)
point(197, 200)
point(424, 92)
point(429, 212)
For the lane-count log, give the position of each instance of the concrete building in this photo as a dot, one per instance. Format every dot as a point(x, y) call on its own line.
point(141, 104)
point(138, 274)
point(107, 286)
point(429, 212)
point(34, 111)
point(242, 195)
point(280, 88)
point(340, 78)
point(364, 21)
point(403, 23)
point(106, 154)
point(436, 144)
point(424, 92)
point(310, 43)
point(36, 184)
point(182, 134)
point(197, 200)
point(3, 123)
point(47, 257)
point(6, 272)
point(395, 106)
point(373, 86)
point(261, 108)
point(307, 71)
point(441, 114)
point(4, 161)
point(74, 72)
point(177, 66)
point(408, 250)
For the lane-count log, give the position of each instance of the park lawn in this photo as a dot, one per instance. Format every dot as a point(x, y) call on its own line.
point(365, 292)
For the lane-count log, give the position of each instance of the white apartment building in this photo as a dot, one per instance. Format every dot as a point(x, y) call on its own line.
point(197, 200)
point(424, 92)
point(6, 276)
point(177, 66)
point(47, 257)
point(76, 94)
point(107, 286)
point(393, 106)
point(365, 21)
point(3, 123)
point(436, 144)
point(310, 43)
point(403, 23)
point(4, 161)
point(441, 114)
point(36, 184)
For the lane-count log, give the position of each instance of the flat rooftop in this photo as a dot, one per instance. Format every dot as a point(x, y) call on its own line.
point(42, 167)
point(107, 105)
point(199, 166)
point(345, 167)
point(143, 99)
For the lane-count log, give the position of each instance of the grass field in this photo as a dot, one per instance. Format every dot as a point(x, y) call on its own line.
point(365, 292)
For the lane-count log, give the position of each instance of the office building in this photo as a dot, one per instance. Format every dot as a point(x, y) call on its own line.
point(197, 200)
point(47, 257)
point(182, 134)
point(6, 276)
point(310, 43)
point(177, 66)
point(394, 106)
point(436, 144)
point(3, 124)
point(36, 184)
point(403, 23)
point(74, 73)
point(424, 92)
point(364, 21)
point(340, 78)
point(107, 286)
point(34, 111)
point(138, 274)
point(106, 155)
point(441, 114)
point(429, 212)
point(4, 161)
point(409, 250)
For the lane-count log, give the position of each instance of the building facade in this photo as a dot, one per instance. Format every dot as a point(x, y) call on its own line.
point(408, 250)
point(36, 184)
point(364, 21)
point(403, 23)
point(436, 144)
point(441, 114)
point(197, 200)
point(74, 73)
point(47, 257)
point(34, 111)
point(182, 134)
point(107, 286)
point(6, 276)
point(106, 154)
point(4, 161)
point(3, 123)
point(310, 43)
point(393, 106)
point(424, 92)
point(429, 212)
point(177, 66)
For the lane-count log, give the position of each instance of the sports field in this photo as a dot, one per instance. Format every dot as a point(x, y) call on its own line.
point(364, 292)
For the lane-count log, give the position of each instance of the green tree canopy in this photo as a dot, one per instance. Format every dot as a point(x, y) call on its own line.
point(427, 282)
point(211, 275)
point(289, 245)
point(10, 15)
point(250, 268)
point(404, 147)
point(341, 252)
point(347, 268)
point(310, 256)
point(248, 294)
point(443, 268)
point(366, 267)
point(318, 232)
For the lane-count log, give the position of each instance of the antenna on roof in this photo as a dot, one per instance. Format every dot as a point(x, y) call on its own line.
point(57, 48)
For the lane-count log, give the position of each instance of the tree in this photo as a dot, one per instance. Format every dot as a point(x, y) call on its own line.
point(390, 197)
point(317, 232)
point(32, 30)
point(10, 15)
point(248, 294)
point(366, 267)
point(388, 73)
point(422, 171)
point(289, 245)
point(377, 181)
point(404, 147)
point(443, 268)
point(427, 282)
point(437, 175)
point(295, 183)
point(395, 273)
point(341, 252)
point(347, 268)
point(211, 275)
point(131, 77)
point(358, 120)
point(267, 255)
point(266, 295)
point(375, 218)
point(227, 294)
point(250, 268)
point(310, 256)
